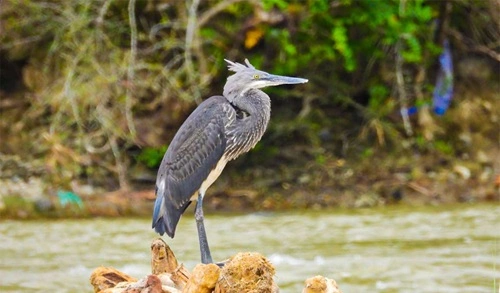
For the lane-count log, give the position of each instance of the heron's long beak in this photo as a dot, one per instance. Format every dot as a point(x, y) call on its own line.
point(278, 79)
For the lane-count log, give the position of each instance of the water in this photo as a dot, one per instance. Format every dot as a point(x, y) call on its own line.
point(397, 249)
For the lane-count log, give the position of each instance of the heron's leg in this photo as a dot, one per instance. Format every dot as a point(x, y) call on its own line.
point(202, 235)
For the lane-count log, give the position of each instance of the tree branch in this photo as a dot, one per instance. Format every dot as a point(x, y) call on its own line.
point(403, 99)
point(130, 72)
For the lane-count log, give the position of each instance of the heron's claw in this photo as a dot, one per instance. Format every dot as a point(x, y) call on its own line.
point(221, 264)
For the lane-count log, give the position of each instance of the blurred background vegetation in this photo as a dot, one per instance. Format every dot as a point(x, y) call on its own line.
point(93, 91)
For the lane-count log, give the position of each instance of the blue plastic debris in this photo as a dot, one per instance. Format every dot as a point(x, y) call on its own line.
point(409, 111)
point(68, 198)
point(443, 92)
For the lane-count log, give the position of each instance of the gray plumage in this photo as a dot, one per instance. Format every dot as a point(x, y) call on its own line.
point(219, 130)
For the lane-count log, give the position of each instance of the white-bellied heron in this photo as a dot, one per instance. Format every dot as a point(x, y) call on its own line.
point(219, 130)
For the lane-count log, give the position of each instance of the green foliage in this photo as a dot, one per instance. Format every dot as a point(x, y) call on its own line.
point(268, 4)
point(354, 28)
point(90, 89)
point(439, 145)
point(347, 41)
point(340, 39)
point(378, 95)
point(320, 159)
point(16, 204)
point(86, 88)
point(367, 153)
point(444, 147)
point(151, 157)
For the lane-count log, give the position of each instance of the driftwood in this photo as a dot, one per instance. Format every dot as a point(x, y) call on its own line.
point(244, 272)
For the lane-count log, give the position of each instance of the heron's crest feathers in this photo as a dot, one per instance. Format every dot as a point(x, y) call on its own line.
point(237, 67)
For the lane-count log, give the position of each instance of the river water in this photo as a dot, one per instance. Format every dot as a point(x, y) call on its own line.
point(391, 249)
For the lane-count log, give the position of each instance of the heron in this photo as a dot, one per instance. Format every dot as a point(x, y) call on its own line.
point(219, 130)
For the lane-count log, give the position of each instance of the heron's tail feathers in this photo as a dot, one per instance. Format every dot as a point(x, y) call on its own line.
point(166, 216)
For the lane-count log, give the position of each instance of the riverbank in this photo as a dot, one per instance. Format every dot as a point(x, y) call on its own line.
point(382, 179)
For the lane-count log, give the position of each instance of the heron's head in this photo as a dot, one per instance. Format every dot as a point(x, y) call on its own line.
point(246, 77)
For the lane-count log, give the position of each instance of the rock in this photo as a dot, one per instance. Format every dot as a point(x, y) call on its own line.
point(244, 272)
point(482, 158)
point(320, 284)
point(462, 171)
point(368, 199)
point(44, 205)
point(31, 190)
point(203, 279)
point(247, 272)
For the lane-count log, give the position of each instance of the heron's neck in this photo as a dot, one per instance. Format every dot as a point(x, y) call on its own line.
point(255, 103)
point(253, 111)
point(232, 94)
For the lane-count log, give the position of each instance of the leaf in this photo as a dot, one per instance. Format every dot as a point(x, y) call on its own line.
point(270, 4)
point(339, 36)
point(152, 157)
point(253, 37)
point(414, 52)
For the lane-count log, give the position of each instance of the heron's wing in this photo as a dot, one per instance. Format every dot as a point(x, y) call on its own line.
point(194, 152)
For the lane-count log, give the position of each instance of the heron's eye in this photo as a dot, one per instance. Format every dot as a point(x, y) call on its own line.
point(256, 76)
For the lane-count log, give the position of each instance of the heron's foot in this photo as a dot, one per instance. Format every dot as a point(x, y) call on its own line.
point(221, 264)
